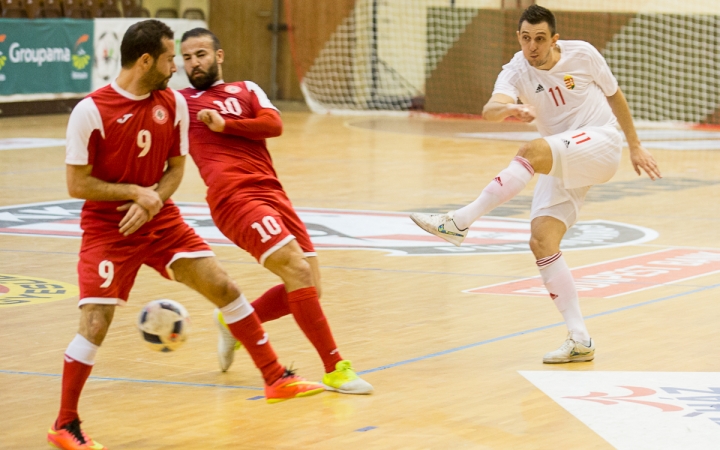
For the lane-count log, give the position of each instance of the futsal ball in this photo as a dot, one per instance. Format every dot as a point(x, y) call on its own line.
point(164, 325)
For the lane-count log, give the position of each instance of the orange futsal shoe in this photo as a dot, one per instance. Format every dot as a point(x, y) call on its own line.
point(290, 386)
point(71, 437)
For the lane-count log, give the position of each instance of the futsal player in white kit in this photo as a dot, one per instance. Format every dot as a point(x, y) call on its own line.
point(567, 88)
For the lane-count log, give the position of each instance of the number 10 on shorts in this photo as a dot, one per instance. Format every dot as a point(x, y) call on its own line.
point(267, 229)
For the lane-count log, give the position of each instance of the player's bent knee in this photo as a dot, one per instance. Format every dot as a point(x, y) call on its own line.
point(538, 154)
point(299, 271)
point(95, 321)
point(207, 277)
point(543, 247)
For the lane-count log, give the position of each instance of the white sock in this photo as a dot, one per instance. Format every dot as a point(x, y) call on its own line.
point(82, 350)
point(561, 286)
point(237, 310)
point(505, 186)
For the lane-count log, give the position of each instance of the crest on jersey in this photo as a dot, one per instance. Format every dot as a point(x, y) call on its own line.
point(160, 114)
point(232, 89)
point(569, 82)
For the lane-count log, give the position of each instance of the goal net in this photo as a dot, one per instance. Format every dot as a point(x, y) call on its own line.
point(442, 56)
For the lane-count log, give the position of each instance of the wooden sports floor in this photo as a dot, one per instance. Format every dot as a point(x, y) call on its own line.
point(451, 369)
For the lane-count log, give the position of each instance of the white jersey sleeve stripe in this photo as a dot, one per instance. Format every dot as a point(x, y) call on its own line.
point(260, 94)
point(84, 119)
point(182, 117)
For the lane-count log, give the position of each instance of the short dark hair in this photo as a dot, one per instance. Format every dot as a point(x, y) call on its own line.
point(143, 37)
point(535, 14)
point(200, 32)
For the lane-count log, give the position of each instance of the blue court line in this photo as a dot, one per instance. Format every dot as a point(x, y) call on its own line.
point(532, 330)
point(134, 380)
point(399, 363)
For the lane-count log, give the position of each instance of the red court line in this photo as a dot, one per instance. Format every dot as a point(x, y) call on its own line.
point(622, 276)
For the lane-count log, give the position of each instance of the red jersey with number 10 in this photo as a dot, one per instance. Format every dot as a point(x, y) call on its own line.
point(126, 139)
point(229, 162)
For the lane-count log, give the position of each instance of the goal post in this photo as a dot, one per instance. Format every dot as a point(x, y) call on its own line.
point(442, 56)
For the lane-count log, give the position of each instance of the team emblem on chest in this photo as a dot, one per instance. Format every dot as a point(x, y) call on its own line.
point(159, 114)
point(232, 89)
point(569, 82)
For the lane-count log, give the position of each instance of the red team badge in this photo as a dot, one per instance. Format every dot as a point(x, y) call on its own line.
point(160, 114)
point(232, 89)
point(569, 82)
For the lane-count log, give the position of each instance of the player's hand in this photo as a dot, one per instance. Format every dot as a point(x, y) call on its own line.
point(148, 198)
point(212, 119)
point(642, 159)
point(524, 113)
point(135, 217)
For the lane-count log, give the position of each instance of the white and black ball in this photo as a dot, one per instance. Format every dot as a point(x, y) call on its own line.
point(164, 325)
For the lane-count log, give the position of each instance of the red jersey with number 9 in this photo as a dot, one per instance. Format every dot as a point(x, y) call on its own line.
point(126, 139)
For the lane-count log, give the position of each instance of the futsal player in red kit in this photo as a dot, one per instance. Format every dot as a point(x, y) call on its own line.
point(229, 123)
point(126, 147)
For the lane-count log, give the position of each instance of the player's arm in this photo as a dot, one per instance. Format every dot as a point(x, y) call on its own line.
point(145, 202)
point(172, 177)
point(137, 215)
point(501, 106)
point(81, 184)
point(266, 124)
point(640, 157)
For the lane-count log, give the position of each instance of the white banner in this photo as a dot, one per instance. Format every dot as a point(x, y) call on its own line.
point(109, 34)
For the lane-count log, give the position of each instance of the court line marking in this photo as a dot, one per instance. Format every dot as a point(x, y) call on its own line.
point(533, 330)
point(135, 380)
point(399, 363)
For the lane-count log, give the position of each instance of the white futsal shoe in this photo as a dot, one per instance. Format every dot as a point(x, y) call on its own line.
point(571, 351)
point(227, 344)
point(441, 225)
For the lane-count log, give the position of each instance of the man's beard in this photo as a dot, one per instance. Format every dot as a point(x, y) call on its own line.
point(202, 81)
point(156, 80)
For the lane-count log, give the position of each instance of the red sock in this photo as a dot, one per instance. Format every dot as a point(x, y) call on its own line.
point(250, 332)
point(74, 376)
point(272, 305)
point(305, 307)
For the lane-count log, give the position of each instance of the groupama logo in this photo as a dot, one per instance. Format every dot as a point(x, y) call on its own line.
point(80, 57)
point(44, 55)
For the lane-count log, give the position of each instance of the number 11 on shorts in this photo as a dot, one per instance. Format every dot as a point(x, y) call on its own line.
point(267, 229)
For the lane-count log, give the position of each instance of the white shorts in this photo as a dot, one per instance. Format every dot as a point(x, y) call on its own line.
point(581, 159)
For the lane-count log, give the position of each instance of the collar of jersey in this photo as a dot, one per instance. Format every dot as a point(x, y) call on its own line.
point(218, 83)
point(127, 94)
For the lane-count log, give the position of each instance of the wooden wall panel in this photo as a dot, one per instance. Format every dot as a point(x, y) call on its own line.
point(313, 22)
point(242, 27)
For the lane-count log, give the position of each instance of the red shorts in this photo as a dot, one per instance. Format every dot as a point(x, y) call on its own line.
point(261, 222)
point(110, 261)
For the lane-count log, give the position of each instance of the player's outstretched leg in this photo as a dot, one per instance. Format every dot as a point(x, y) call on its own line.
point(227, 344)
point(269, 306)
point(301, 275)
point(339, 376)
point(441, 225)
point(454, 226)
point(207, 277)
